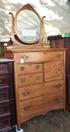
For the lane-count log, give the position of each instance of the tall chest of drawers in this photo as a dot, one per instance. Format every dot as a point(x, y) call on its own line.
point(39, 81)
point(7, 107)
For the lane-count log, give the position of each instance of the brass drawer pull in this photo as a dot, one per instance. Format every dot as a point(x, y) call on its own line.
point(44, 97)
point(22, 68)
point(58, 85)
point(30, 76)
point(25, 57)
point(26, 93)
point(44, 52)
point(38, 78)
point(58, 99)
point(58, 55)
point(22, 80)
point(37, 66)
point(26, 108)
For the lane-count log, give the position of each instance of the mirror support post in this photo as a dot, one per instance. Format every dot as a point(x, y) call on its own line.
point(13, 23)
point(42, 30)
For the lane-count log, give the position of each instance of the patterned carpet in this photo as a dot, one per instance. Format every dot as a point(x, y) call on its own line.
point(55, 121)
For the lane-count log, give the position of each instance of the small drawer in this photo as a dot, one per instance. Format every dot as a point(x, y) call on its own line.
point(5, 68)
point(38, 56)
point(4, 108)
point(30, 79)
point(5, 122)
point(53, 70)
point(4, 80)
point(4, 93)
point(28, 68)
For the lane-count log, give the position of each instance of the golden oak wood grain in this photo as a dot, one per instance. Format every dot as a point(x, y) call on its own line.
point(39, 81)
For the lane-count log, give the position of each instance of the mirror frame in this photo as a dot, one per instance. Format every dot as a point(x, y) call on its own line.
point(14, 25)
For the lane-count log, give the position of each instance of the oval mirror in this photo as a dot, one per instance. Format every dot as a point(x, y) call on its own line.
point(28, 26)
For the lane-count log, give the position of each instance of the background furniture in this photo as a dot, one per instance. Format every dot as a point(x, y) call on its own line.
point(1, 50)
point(67, 45)
point(7, 103)
point(59, 42)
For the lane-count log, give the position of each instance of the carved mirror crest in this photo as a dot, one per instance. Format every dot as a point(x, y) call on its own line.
point(27, 25)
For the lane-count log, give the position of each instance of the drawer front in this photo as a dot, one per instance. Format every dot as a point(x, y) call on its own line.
point(52, 88)
point(4, 93)
point(28, 68)
point(4, 108)
point(4, 122)
point(38, 56)
point(5, 68)
point(53, 70)
point(30, 91)
point(29, 79)
point(37, 90)
point(40, 104)
point(4, 80)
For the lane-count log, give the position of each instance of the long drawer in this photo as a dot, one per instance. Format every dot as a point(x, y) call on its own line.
point(38, 56)
point(34, 91)
point(37, 105)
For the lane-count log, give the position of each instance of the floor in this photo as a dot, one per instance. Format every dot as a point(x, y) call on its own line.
point(55, 121)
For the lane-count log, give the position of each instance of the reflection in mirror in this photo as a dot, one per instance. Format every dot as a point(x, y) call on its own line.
point(28, 26)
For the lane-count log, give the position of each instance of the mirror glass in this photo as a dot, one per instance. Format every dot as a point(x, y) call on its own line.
point(28, 26)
